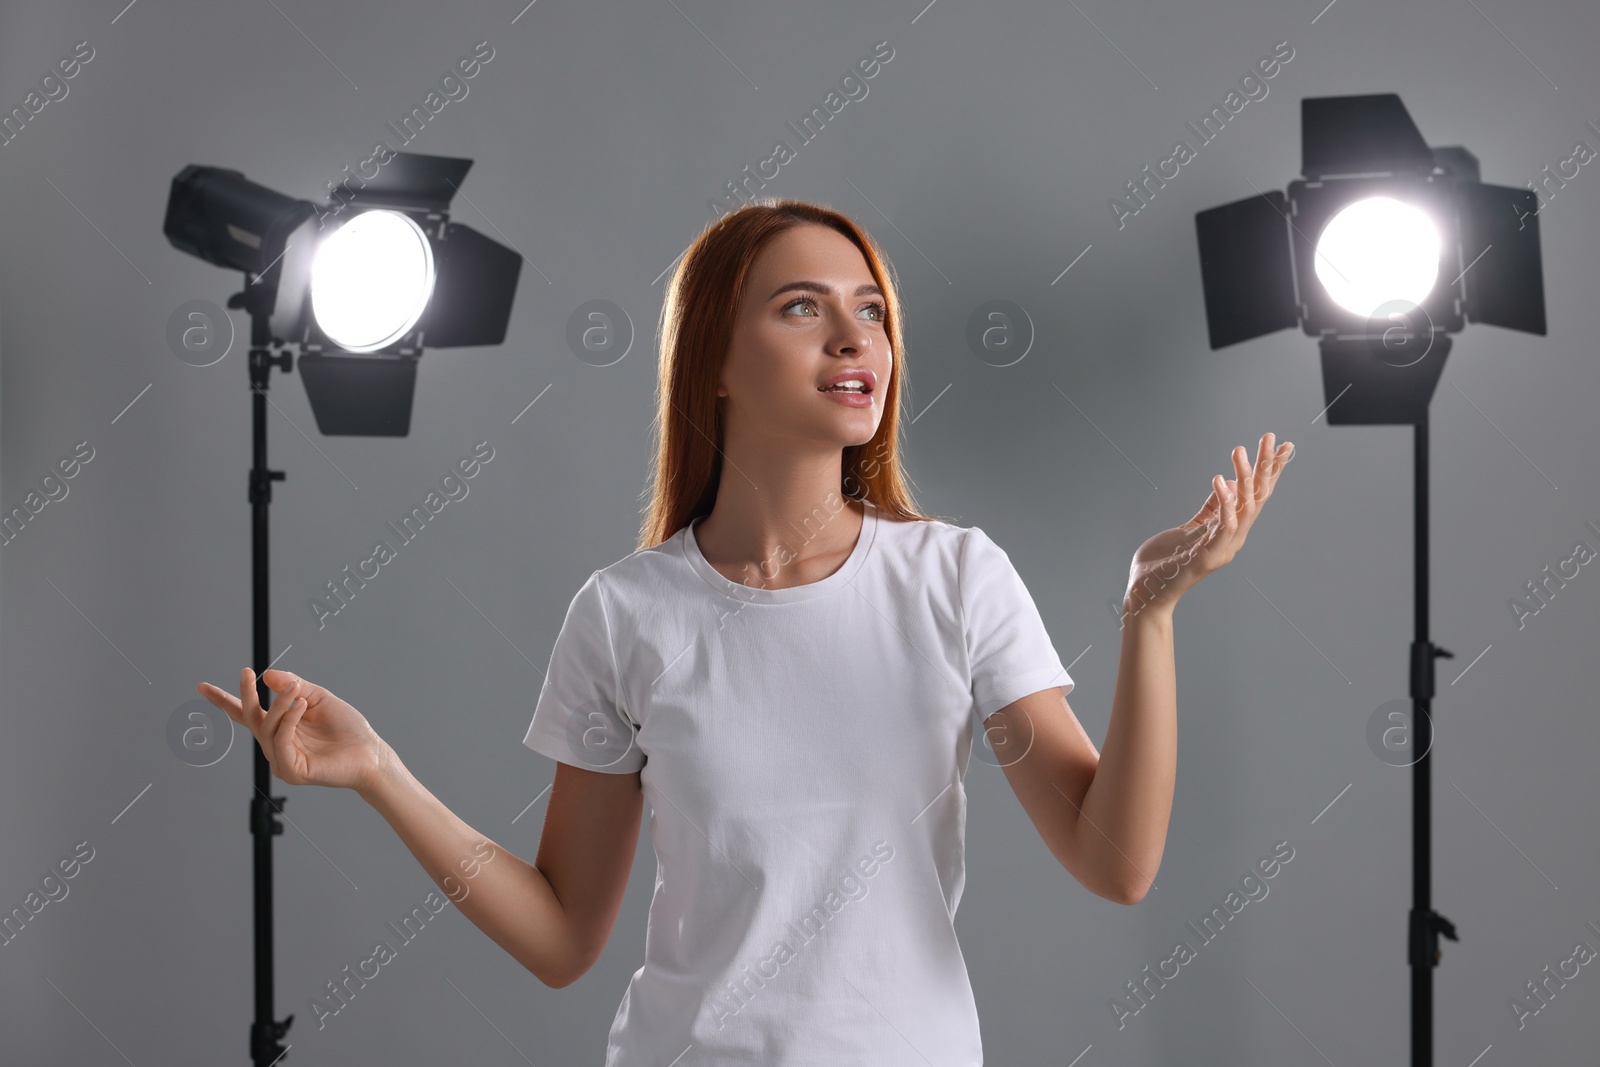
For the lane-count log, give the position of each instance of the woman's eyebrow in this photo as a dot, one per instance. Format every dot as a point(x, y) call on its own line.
point(861, 290)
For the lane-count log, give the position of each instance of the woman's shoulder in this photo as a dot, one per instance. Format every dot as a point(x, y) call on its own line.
point(642, 572)
point(925, 530)
point(934, 544)
point(972, 557)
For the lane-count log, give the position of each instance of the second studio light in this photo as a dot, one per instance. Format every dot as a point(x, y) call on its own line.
point(1380, 251)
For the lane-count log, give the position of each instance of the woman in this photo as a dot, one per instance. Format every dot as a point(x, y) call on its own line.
point(787, 668)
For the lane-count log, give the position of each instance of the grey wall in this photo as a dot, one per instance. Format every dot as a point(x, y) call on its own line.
point(984, 158)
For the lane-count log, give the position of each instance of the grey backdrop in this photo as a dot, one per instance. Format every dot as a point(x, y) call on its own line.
point(984, 158)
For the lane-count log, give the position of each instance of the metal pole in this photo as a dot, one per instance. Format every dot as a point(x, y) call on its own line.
point(1425, 924)
point(266, 1030)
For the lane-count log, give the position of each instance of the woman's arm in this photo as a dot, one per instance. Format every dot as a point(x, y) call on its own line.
point(1103, 815)
point(1112, 830)
point(554, 917)
point(586, 852)
point(1123, 816)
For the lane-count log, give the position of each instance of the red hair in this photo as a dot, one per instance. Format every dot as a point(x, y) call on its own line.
point(696, 328)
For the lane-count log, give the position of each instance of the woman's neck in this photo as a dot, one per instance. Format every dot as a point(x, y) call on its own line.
point(781, 539)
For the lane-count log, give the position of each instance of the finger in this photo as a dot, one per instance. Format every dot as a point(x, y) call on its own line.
point(278, 680)
point(284, 733)
point(280, 706)
point(1264, 466)
point(1255, 488)
point(226, 701)
point(1230, 504)
point(1280, 459)
point(250, 703)
point(1244, 477)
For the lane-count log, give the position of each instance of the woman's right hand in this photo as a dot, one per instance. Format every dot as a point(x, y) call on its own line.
point(309, 736)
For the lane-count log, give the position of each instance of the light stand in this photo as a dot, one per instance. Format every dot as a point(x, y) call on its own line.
point(1425, 924)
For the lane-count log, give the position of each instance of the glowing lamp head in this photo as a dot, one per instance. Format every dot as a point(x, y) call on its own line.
point(1375, 251)
point(371, 280)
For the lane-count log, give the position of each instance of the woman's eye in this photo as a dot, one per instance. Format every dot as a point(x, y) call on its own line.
point(879, 309)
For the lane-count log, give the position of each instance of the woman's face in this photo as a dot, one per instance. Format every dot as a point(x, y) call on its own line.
point(810, 311)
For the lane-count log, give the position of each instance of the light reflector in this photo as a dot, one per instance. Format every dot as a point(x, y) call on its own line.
point(1375, 251)
point(371, 280)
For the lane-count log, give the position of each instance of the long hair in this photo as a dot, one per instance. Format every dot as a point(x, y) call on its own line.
point(696, 328)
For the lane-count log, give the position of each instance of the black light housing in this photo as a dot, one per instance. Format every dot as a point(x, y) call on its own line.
point(222, 217)
point(459, 285)
point(1260, 257)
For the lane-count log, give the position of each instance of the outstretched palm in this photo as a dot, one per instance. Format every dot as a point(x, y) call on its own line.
point(309, 736)
point(1170, 563)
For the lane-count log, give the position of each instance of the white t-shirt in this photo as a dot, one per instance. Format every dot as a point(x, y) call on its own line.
point(803, 752)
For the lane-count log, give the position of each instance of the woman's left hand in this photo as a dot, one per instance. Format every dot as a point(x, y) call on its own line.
point(1170, 563)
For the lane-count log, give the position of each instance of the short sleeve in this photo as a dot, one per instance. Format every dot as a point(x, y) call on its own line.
point(1007, 646)
point(578, 718)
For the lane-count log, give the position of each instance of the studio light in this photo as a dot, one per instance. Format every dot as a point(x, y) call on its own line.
point(1381, 250)
point(361, 286)
point(357, 287)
